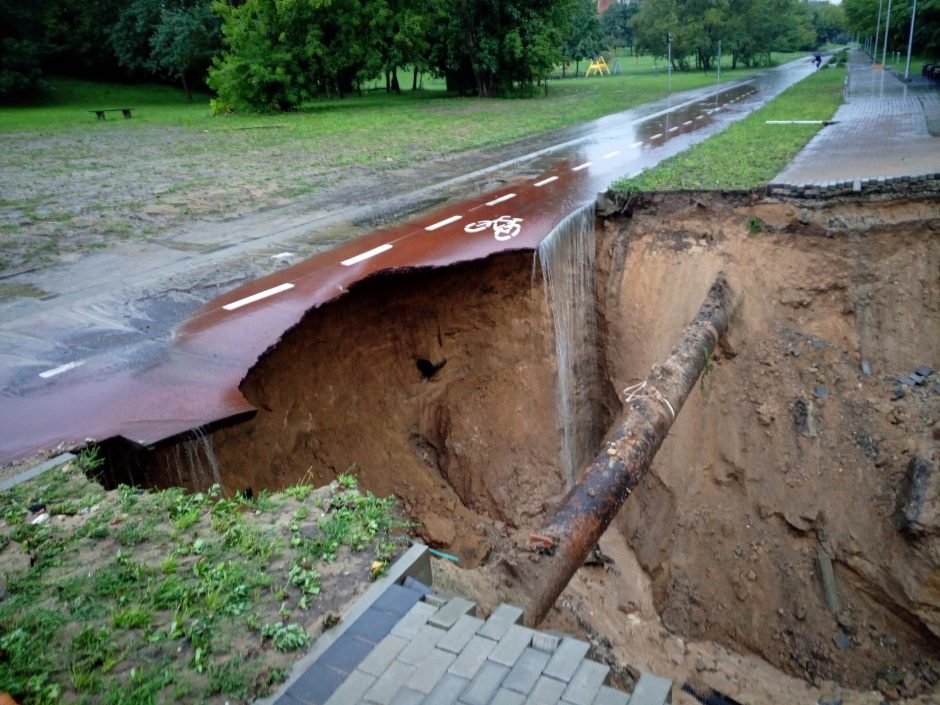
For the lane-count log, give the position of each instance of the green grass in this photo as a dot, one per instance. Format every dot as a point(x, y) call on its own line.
point(373, 127)
point(202, 596)
point(750, 152)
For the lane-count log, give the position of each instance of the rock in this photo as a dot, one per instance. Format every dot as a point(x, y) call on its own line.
point(908, 380)
point(803, 417)
point(794, 350)
point(830, 701)
point(828, 579)
point(821, 392)
point(918, 500)
point(936, 389)
point(843, 641)
point(918, 379)
point(439, 531)
point(924, 371)
point(866, 368)
point(898, 392)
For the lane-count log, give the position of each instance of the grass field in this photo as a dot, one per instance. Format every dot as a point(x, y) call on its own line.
point(750, 152)
point(132, 597)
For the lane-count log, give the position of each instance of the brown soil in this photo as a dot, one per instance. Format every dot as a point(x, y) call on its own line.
point(786, 455)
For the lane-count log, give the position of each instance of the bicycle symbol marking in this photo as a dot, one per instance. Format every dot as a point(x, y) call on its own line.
point(504, 227)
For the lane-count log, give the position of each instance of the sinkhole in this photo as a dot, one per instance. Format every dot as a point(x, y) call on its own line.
point(475, 392)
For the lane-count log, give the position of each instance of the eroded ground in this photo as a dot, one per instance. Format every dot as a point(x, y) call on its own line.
point(793, 452)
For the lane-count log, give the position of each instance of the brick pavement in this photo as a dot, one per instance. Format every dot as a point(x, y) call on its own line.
point(881, 135)
point(414, 647)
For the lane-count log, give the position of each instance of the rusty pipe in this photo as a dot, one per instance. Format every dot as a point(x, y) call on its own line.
point(603, 487)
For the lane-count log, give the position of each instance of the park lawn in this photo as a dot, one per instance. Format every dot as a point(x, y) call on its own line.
point(750, 152)
point(374, 127)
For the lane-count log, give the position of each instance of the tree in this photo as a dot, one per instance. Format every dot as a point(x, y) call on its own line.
point(584, 39)
point(615, 24)
point(185, 40)
point(20, 53)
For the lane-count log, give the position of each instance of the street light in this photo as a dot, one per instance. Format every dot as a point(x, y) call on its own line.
point(669, 62)
point(874, 44)
point(884, 50)
point(910, 42)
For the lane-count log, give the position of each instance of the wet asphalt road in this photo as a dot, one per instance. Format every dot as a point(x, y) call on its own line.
point(150, 344)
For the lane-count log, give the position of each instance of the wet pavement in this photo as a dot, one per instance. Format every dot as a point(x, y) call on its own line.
point(97, 356)
point(881, 131)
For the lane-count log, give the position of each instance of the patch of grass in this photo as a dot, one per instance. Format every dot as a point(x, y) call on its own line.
point(749, 153)
point(132, 596)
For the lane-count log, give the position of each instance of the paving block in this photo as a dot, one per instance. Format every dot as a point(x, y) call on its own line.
point(458, 635)
point(283, 699)
point(396, 600)
point(651, 690)
point(608, 696)
point(346, 653)
point(526, 672)
point(484, 684)
point(448, 615)
point(316, 684)
point(498, 623)
point(507, 697)
point(407, 627)
point(372, 625)
point(435, 599)
point(511, 646)
point(566, 659)
point(547, 691)
point(447, 690)
point(469, 660)
point(352, 689)
point(382, 655)
point(416, 585)
point(421, 646)
point(585, 683)
point(546, 641)
point(386, 686)
point(407, 696)
point(431, 670)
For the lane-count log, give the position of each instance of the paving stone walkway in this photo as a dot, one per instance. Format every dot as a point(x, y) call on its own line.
point(413, 647)
point(881, 134)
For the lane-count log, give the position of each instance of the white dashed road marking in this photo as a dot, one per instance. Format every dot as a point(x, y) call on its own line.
point(673, 129)
point(61, 368)
point(442, 223)
point(611, 155)
point(656, 136)
point(687, 122)
point(257, 297)
point(546, 181)
point(366, 255)
point(501, 199)
point(635, 145)
point(581, 166)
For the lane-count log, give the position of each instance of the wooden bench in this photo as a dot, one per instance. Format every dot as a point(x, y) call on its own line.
point(100, 113)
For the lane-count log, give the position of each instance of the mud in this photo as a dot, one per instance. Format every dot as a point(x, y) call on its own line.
point(793, 453)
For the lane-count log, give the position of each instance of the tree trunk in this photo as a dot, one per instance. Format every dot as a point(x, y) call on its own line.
point(396, 88)
point(566, 539)
point(189, 93)
point(414, 78)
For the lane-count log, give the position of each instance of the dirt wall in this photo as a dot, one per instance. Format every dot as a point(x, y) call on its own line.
point(788, 450)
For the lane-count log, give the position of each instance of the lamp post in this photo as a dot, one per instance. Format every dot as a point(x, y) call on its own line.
point(719, 62)
point(669, 62)
point(874, 44)
point(910, 43)
point(884, 49)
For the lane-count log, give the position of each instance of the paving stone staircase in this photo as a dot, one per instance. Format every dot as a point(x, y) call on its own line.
point(412, 646)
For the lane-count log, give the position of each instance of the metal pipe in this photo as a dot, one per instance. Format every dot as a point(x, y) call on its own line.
point(874, 44)
point(566, 539)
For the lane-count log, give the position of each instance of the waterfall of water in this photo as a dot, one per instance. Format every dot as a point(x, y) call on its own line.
point(194, 461)
point(567, 260)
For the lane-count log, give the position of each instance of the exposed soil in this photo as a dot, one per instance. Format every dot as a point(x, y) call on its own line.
point(793, 453)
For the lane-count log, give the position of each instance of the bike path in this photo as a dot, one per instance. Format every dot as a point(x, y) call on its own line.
point(193, 382)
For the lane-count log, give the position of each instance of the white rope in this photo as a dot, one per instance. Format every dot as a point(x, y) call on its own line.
point(635, 391)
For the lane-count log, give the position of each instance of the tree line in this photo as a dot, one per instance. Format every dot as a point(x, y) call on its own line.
point(862, 18)
point(277, 54)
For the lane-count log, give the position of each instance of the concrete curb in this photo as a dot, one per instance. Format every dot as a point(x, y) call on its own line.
point(415, 563)
point(845, 187)
point(36, 471)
